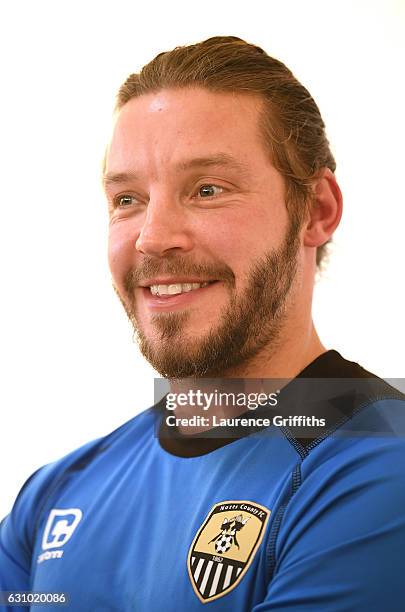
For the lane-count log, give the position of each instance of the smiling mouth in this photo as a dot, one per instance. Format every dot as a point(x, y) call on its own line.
point(177, 288)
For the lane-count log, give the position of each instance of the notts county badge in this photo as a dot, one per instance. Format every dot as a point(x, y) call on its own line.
point(224, 547)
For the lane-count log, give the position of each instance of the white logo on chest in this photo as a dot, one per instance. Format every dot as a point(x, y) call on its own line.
point(59, 528)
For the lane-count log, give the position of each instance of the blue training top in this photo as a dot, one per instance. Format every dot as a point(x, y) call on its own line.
point(267, 521)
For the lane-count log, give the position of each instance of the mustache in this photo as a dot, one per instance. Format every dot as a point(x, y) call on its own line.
point(151, 266)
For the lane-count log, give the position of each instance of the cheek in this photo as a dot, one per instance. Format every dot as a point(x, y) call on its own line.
point(121, 250)
point(240, 238)
point(244, 240)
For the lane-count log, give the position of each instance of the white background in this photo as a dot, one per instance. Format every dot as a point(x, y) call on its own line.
point(69, 369)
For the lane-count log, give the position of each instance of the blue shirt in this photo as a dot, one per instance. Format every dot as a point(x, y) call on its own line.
point(264, 522)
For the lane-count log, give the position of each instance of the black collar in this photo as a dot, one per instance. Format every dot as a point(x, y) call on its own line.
point(340, 388)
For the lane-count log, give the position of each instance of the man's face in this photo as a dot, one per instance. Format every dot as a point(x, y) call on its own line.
point(201, 249)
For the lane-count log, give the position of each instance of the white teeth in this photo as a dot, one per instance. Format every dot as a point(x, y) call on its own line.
point(175, 288)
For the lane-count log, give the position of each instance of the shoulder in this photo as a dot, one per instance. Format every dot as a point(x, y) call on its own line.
point(41, 484)
point(18, 529)
point(342, 398)
point(345, 518)
point(349, 485)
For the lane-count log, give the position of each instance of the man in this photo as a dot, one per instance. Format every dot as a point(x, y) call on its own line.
point(222, 196)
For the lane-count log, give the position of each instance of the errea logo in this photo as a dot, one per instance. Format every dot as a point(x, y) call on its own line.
point(58, 530)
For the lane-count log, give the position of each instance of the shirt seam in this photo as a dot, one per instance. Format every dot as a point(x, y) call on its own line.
point(271, 559)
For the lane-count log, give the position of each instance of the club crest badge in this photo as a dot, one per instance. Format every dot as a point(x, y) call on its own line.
point(225, 546)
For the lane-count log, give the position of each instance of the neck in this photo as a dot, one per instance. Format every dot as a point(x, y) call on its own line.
point(285, 361)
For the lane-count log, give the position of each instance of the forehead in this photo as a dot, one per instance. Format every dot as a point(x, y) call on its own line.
point(176, 124)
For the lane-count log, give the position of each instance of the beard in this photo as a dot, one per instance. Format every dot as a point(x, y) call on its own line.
point(251, 323)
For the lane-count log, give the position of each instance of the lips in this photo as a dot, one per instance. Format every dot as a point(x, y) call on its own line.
point(176, 288)
point(172, 280)
point(165, 296)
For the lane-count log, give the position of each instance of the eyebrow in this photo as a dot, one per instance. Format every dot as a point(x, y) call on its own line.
point(220, 159)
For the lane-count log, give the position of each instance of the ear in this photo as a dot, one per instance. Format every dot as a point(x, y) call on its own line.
point(326, 210)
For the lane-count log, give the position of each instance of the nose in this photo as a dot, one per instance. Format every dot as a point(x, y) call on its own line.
point(164, 230)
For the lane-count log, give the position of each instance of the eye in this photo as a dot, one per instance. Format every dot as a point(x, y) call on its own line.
point(123, 201)
point(209, 191)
